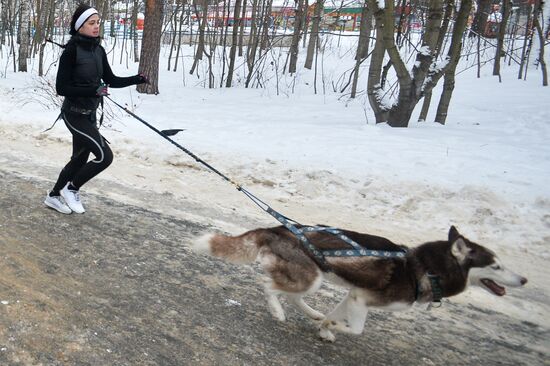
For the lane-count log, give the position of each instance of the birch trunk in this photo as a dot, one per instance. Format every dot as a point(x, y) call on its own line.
point(24, 35)
point(537, 25)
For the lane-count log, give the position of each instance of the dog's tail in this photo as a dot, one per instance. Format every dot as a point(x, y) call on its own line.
point(240, 249)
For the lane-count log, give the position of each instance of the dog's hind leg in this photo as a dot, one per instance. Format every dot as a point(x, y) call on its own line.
point(348, 316)
point(306, 309)
point(288, 277)
point(298, 300)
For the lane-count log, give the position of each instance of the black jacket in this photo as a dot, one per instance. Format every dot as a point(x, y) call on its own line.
point(82, 67)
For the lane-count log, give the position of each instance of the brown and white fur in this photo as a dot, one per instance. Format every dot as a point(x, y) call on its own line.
point(391, 284)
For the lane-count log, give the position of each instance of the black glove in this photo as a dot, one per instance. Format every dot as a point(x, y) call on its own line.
point(102, 90)
point(142, 79)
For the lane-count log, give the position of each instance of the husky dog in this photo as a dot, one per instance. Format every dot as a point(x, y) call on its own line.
point(386, 283)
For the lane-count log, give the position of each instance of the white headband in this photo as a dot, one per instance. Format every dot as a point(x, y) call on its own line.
point(83, 17)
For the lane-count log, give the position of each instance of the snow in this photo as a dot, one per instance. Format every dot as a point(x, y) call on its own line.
point(322, 159)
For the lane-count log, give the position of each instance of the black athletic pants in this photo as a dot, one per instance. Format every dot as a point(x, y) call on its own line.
point(86, 140)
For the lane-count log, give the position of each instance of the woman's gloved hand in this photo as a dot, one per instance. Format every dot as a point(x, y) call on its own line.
point(142, 79)
point(102, 90)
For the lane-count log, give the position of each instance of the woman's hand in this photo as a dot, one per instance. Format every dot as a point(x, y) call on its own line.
point(102, 90)
point(142, 79)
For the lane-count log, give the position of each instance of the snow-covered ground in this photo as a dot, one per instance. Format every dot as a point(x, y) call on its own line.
point(321, 159)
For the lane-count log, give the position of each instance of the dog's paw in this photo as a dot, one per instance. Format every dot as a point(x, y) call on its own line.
point(277, 313)
point(326, 335)
point(318, 316)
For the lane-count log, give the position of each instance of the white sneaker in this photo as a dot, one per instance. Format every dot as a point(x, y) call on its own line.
point(58, 205)
point(73, 199)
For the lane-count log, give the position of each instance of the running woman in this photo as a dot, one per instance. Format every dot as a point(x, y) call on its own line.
point(82, 78)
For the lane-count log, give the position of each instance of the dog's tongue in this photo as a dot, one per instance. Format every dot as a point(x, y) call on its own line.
point(491, 285)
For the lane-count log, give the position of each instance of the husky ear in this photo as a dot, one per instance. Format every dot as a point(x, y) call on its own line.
point(453, 234)
point(460, 249)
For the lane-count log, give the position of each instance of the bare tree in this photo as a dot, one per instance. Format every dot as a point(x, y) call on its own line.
point(24, 35)
point(298, 22)
point(411, 84)
point(173, 18)
point(506, 5)
point(314, 35)
point(453, 57)
point(449, 9)
point(241, 30)
point(200, 50)
point(234, 42)
point(135, 9)
point(150, 46)
point(44, 30)
point(362, 45)
point(537, 17)
point(178, 50)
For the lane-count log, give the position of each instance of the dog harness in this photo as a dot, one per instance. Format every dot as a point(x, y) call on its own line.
point(356, 250)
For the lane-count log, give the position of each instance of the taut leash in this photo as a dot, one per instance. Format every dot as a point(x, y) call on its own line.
point(291, 225)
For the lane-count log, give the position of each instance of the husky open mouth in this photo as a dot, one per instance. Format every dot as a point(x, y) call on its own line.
point(493, 287)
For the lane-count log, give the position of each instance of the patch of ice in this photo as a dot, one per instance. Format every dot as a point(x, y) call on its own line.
point(229, 302)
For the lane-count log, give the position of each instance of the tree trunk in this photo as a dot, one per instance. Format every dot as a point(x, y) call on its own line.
point(314, 36)
point(234, 42)
point(362, 45)
point(538, 28)
point(374, 89)
point(134, 24)
point(150, 46)
point(526, 43)
point(265, 24)
point(24, 35)
point(449, 7)
point(202, 26)
point(178, 49)
point(173, 26)
point(454, 57)
point(241, 30)
point(47, 27)
point(500, 38)
point(253, 42)
point(411, 89)
point(298, 17)
point(3, 22)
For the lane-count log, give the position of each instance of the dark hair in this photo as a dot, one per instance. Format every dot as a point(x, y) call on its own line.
point(77, 13)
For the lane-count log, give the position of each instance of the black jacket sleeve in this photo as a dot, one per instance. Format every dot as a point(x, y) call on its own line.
point(63, 82)
point(111, 79)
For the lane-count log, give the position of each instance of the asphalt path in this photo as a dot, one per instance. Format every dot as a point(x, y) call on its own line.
point(119, 286)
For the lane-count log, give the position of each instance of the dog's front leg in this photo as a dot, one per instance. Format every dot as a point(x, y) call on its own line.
point(273, 303)
point(348, 316)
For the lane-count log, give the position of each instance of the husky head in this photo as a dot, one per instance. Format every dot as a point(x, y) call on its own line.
point(485, 269)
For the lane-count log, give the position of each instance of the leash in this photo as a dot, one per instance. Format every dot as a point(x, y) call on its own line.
point(291, 225)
